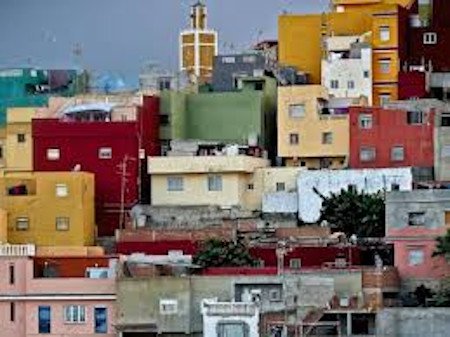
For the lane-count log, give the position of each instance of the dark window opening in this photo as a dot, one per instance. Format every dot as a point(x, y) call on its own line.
point(11, 274)
point(164, 119)
point(12, 312)
point(259, 86)
point(20, 138)
point(445, 121)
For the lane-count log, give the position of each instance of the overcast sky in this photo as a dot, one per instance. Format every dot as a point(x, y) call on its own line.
point(121, 35)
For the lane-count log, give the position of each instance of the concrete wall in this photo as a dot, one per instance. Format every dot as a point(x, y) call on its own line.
point(413, 322)
point(280, 202)
point(442, 153)
point(327, 182)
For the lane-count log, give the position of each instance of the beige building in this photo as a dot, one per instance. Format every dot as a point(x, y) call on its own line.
point(198, 46)
point(2, 147)
point(48, 208)
point(226, 181)
point(310, 134)
point(18, 152)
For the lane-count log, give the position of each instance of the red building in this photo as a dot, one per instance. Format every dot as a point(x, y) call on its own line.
point(411, 84)
point(382, 137)
point(102, 148)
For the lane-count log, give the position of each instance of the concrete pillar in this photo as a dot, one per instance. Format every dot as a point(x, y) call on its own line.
point(349, 323)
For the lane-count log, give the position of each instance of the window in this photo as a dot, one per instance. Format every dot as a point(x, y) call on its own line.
point(12, 276)
point(12, 311)
point(260, 263)
point(215, 183)
point(293, 138)
point(365, 121)
point(259, 86)
point(233, 329)
point(123, 118)
point(62, 223)
point(384, 99)
point(21, 138)
point(367, 154)
point(415, 117)
point(1, 151)
point(295, 263)
point(429, 38)
point(303, 163)
point(445, 121)
point(327, 138)
point(334, 84)
point(385, 65)
point(61, 190)
point(445, 151)
point(168, 307)
point(250, 186)
point(44, 316)
point(100, 320)
point(385, 33)
point(281, 187)
point(249, 59)
point(297, 110)
point(352, 188)
point(398, 153)
point(350, 84)
point(53, 154)
point(164, 120)
point(416, 219)
point(416, 257)
point(395, 187)
point(74, 314)
point(366, 74)
point(228, 59)
point(274, 295)
point(175, 184)
point(105, 153)
point(22, 224)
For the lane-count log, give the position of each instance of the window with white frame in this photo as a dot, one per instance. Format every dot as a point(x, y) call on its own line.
point(22, 223)
point(416, 218)
point(384, 65)
point(62, 223)
point(385, 33)
point(215, 183)
point(327, 138)
point(228, 59)
point(415, 117)
point(384, 99)
point(365, 121)
point(295, 263)
point(334, 84)
point(398, 153)
point(297, 110)
point(429, 38)
point(168, 307)
point(74, 314)
point(53, 154)
point(367, 154)
point(416, 257)
point(175, 184)
point(281, 187)
point(105, 153)
point(61, 190)
point(351, 84)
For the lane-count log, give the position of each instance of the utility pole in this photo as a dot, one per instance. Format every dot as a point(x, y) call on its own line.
point(123, 167)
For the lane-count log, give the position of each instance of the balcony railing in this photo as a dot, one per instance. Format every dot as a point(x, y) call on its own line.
point(229, 308)
point(17, 250)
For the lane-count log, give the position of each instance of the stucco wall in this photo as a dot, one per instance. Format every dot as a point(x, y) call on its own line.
point(327, 182)
point(280, 202)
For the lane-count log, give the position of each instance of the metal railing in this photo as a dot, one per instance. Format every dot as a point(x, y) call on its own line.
point(230, 308)
point(17, 250)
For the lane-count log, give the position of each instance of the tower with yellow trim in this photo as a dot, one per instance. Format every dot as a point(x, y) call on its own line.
point(198, 46)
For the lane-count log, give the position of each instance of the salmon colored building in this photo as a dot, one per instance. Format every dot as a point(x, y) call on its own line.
point(35, 302)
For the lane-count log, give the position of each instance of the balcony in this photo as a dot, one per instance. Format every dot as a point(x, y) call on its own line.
point(229, 309)
point(17, 250)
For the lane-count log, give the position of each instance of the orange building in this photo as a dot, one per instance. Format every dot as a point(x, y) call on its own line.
point(198, 46)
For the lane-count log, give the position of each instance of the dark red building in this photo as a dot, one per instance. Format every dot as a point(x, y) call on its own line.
point(102, 148)
point(391, 138)
point(411, 84)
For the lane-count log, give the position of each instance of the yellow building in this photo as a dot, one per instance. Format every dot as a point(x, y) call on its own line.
point(279, 179)
point(308, 135)
point(198, 46)
point(48, 208)
point(226, 181)
point(19, 141)
point(301, 40)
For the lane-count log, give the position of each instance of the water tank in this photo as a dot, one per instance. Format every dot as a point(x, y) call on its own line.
point(414, 21)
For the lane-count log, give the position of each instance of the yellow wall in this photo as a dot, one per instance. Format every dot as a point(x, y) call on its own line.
point(311, 126)
point(273, 175)
point(19, 155)
point(42, 206)
point(3, 226)
point(3, 147)
point(300, 39)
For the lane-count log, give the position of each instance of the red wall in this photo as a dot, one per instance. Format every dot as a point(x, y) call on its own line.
point(389, 129)
point(79, 143)
point(411, 85)
point(157, 247)
point(69, 266)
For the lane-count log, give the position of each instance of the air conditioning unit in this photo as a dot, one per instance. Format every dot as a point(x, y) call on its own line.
point(344, 302)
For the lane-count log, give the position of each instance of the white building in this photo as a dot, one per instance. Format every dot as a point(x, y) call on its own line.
point(327, 182)
point(224, 319)
point(347, 68)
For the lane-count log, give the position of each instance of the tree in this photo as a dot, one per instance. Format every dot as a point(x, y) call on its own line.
point(443, 246)
point(354, 212)
point(218, 253)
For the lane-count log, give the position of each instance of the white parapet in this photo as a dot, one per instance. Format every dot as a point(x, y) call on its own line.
point(17, 250)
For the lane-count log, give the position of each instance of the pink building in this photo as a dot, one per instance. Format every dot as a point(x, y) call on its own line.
point(414, 219)
point(35, 302)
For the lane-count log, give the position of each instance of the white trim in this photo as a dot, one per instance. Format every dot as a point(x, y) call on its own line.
point(8, 298)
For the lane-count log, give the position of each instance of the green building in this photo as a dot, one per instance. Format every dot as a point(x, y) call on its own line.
point(229, 117)
point(26, 87)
